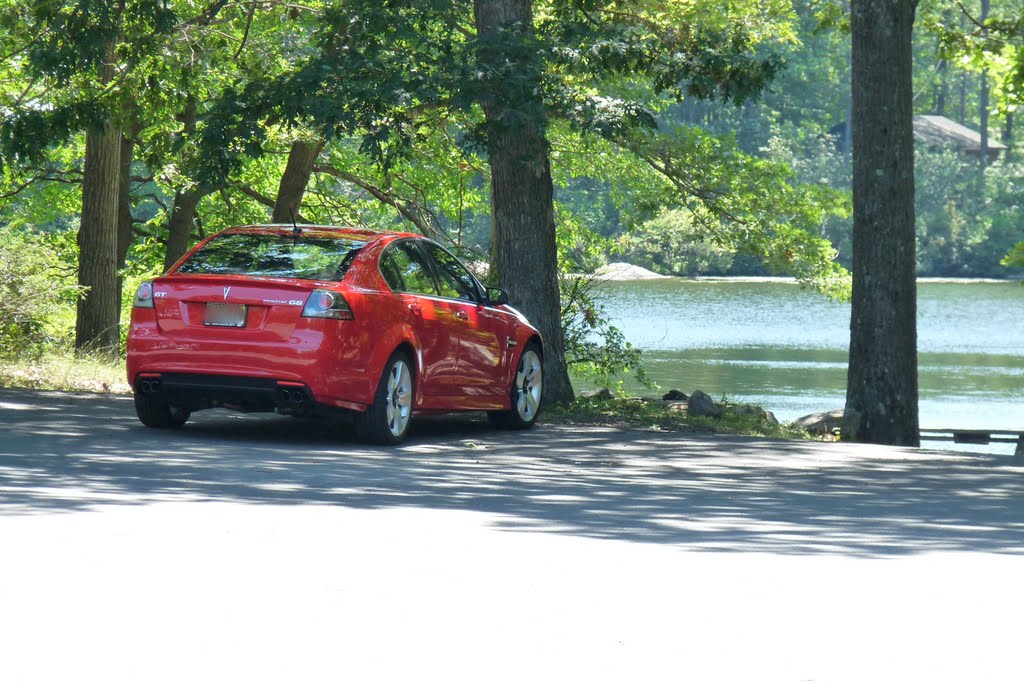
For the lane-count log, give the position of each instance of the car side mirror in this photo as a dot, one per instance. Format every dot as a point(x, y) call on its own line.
point(497, 296)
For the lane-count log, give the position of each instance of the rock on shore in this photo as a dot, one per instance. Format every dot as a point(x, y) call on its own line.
point(830, 422)
point(625, 271)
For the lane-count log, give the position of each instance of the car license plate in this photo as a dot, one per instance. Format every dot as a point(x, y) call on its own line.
point(225, 315)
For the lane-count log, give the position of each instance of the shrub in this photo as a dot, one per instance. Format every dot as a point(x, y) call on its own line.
point(38, 291)
point(672, 244)
point(594, 348)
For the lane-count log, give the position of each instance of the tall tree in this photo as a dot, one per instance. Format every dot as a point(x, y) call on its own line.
point(882, 389)
point(301, 159)
point(524, 253)
point(97, 324)
point(390, 73)
point(76, 56)
point(983, 101)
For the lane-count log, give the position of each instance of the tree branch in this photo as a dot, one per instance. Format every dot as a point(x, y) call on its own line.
point(21, 188)
point(206, 16)
point(380, 195)
point(245, 34)
point(257, 195)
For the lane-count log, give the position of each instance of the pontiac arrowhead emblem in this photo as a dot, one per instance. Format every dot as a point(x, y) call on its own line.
point(226, 290)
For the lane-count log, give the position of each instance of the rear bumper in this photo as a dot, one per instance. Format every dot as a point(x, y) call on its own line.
point(249, 374)
point(247, 394)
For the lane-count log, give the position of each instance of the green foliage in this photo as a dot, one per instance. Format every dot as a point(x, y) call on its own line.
point(639, 98)
point(965, 228)
point(595, 349)
point(378, 67)
point(144, 263)
point(1015, 259)
point(749, 205)
point(672, 244)
point(37, 290)
point(69, 53)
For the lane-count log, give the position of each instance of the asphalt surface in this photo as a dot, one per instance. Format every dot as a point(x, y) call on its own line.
point(264, 548)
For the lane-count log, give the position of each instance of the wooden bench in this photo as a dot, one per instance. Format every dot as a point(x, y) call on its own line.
point(978, 436)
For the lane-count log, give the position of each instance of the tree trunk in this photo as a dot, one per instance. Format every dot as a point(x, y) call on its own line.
point(183, 213)
point(1008, 155)
point(124, 207)
point(882, 389)
point(983, 96)
point(98, 318)
point(962, 120)
point(296, 175)
point(524, 255)
point(181, 225)
point(940, 94)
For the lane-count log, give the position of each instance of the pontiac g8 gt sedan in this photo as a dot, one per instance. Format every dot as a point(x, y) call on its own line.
point(310, 320)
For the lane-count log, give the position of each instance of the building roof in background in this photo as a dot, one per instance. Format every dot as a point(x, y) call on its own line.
point(938, 130)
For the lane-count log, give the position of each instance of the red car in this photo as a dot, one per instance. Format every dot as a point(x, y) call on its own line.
point(307, 320)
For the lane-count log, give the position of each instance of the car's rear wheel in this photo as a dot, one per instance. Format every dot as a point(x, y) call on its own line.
point(154, 411)
point(526, 394)
point(387, 419)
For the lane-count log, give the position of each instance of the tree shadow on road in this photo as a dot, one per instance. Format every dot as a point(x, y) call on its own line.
point(64, 452)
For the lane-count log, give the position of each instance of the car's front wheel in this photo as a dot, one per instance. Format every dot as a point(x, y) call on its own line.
point(387, 419)
point(154, 411)
point(526, 394)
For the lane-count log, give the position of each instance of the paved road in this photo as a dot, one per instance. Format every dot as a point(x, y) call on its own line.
point(247, 548)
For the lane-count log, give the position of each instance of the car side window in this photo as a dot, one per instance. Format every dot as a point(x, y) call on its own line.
point(454, 280)
point(405, 270)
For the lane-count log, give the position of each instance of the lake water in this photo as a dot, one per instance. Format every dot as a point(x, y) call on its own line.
point(783, 347)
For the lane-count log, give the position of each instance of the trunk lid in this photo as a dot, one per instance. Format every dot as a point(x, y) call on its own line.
point(236, 308)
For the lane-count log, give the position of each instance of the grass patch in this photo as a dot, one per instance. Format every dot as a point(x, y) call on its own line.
point(655, 415)
point(65, 372)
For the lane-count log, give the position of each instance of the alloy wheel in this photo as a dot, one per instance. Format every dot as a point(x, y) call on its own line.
point(399, 398)
point(529, 385)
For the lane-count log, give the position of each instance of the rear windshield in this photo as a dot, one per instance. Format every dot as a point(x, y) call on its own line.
point(304, 258)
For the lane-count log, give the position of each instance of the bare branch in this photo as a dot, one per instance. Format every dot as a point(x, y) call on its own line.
point(21, 187)
point(205, 17)
point(257, 195)
point(380, 195)
point(245, 34)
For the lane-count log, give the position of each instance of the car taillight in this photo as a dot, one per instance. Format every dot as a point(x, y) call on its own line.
point(323, 303)
point(143, 296)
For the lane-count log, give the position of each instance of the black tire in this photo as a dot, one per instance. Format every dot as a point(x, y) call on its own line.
point(526, 394)
point(387, 419)
point(155, 412)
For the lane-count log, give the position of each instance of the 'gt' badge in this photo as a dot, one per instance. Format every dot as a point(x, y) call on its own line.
point(226, 290)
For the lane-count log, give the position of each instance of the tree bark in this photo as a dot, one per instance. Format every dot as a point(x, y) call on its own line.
point(962, 120)
point(1008, 155)
point(524, 254)
point(98, 317)
point(940, 94)
point(983, 97)
point(882, 388)
point(124, 208)
point(294, 180)
point(183, 212)
point(181, 225)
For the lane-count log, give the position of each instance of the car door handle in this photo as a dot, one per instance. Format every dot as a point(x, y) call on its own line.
point(416, 309)
point(462, 315)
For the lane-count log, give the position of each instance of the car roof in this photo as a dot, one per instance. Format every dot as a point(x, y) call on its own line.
point(359, 234)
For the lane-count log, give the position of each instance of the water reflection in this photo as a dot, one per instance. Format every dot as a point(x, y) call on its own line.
point(774, 343)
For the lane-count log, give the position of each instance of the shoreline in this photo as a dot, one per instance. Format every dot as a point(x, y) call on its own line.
point(620, 271)
point(769, 279)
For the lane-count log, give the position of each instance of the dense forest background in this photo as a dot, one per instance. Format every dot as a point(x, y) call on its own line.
point(737, 182)
point(969, 214)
